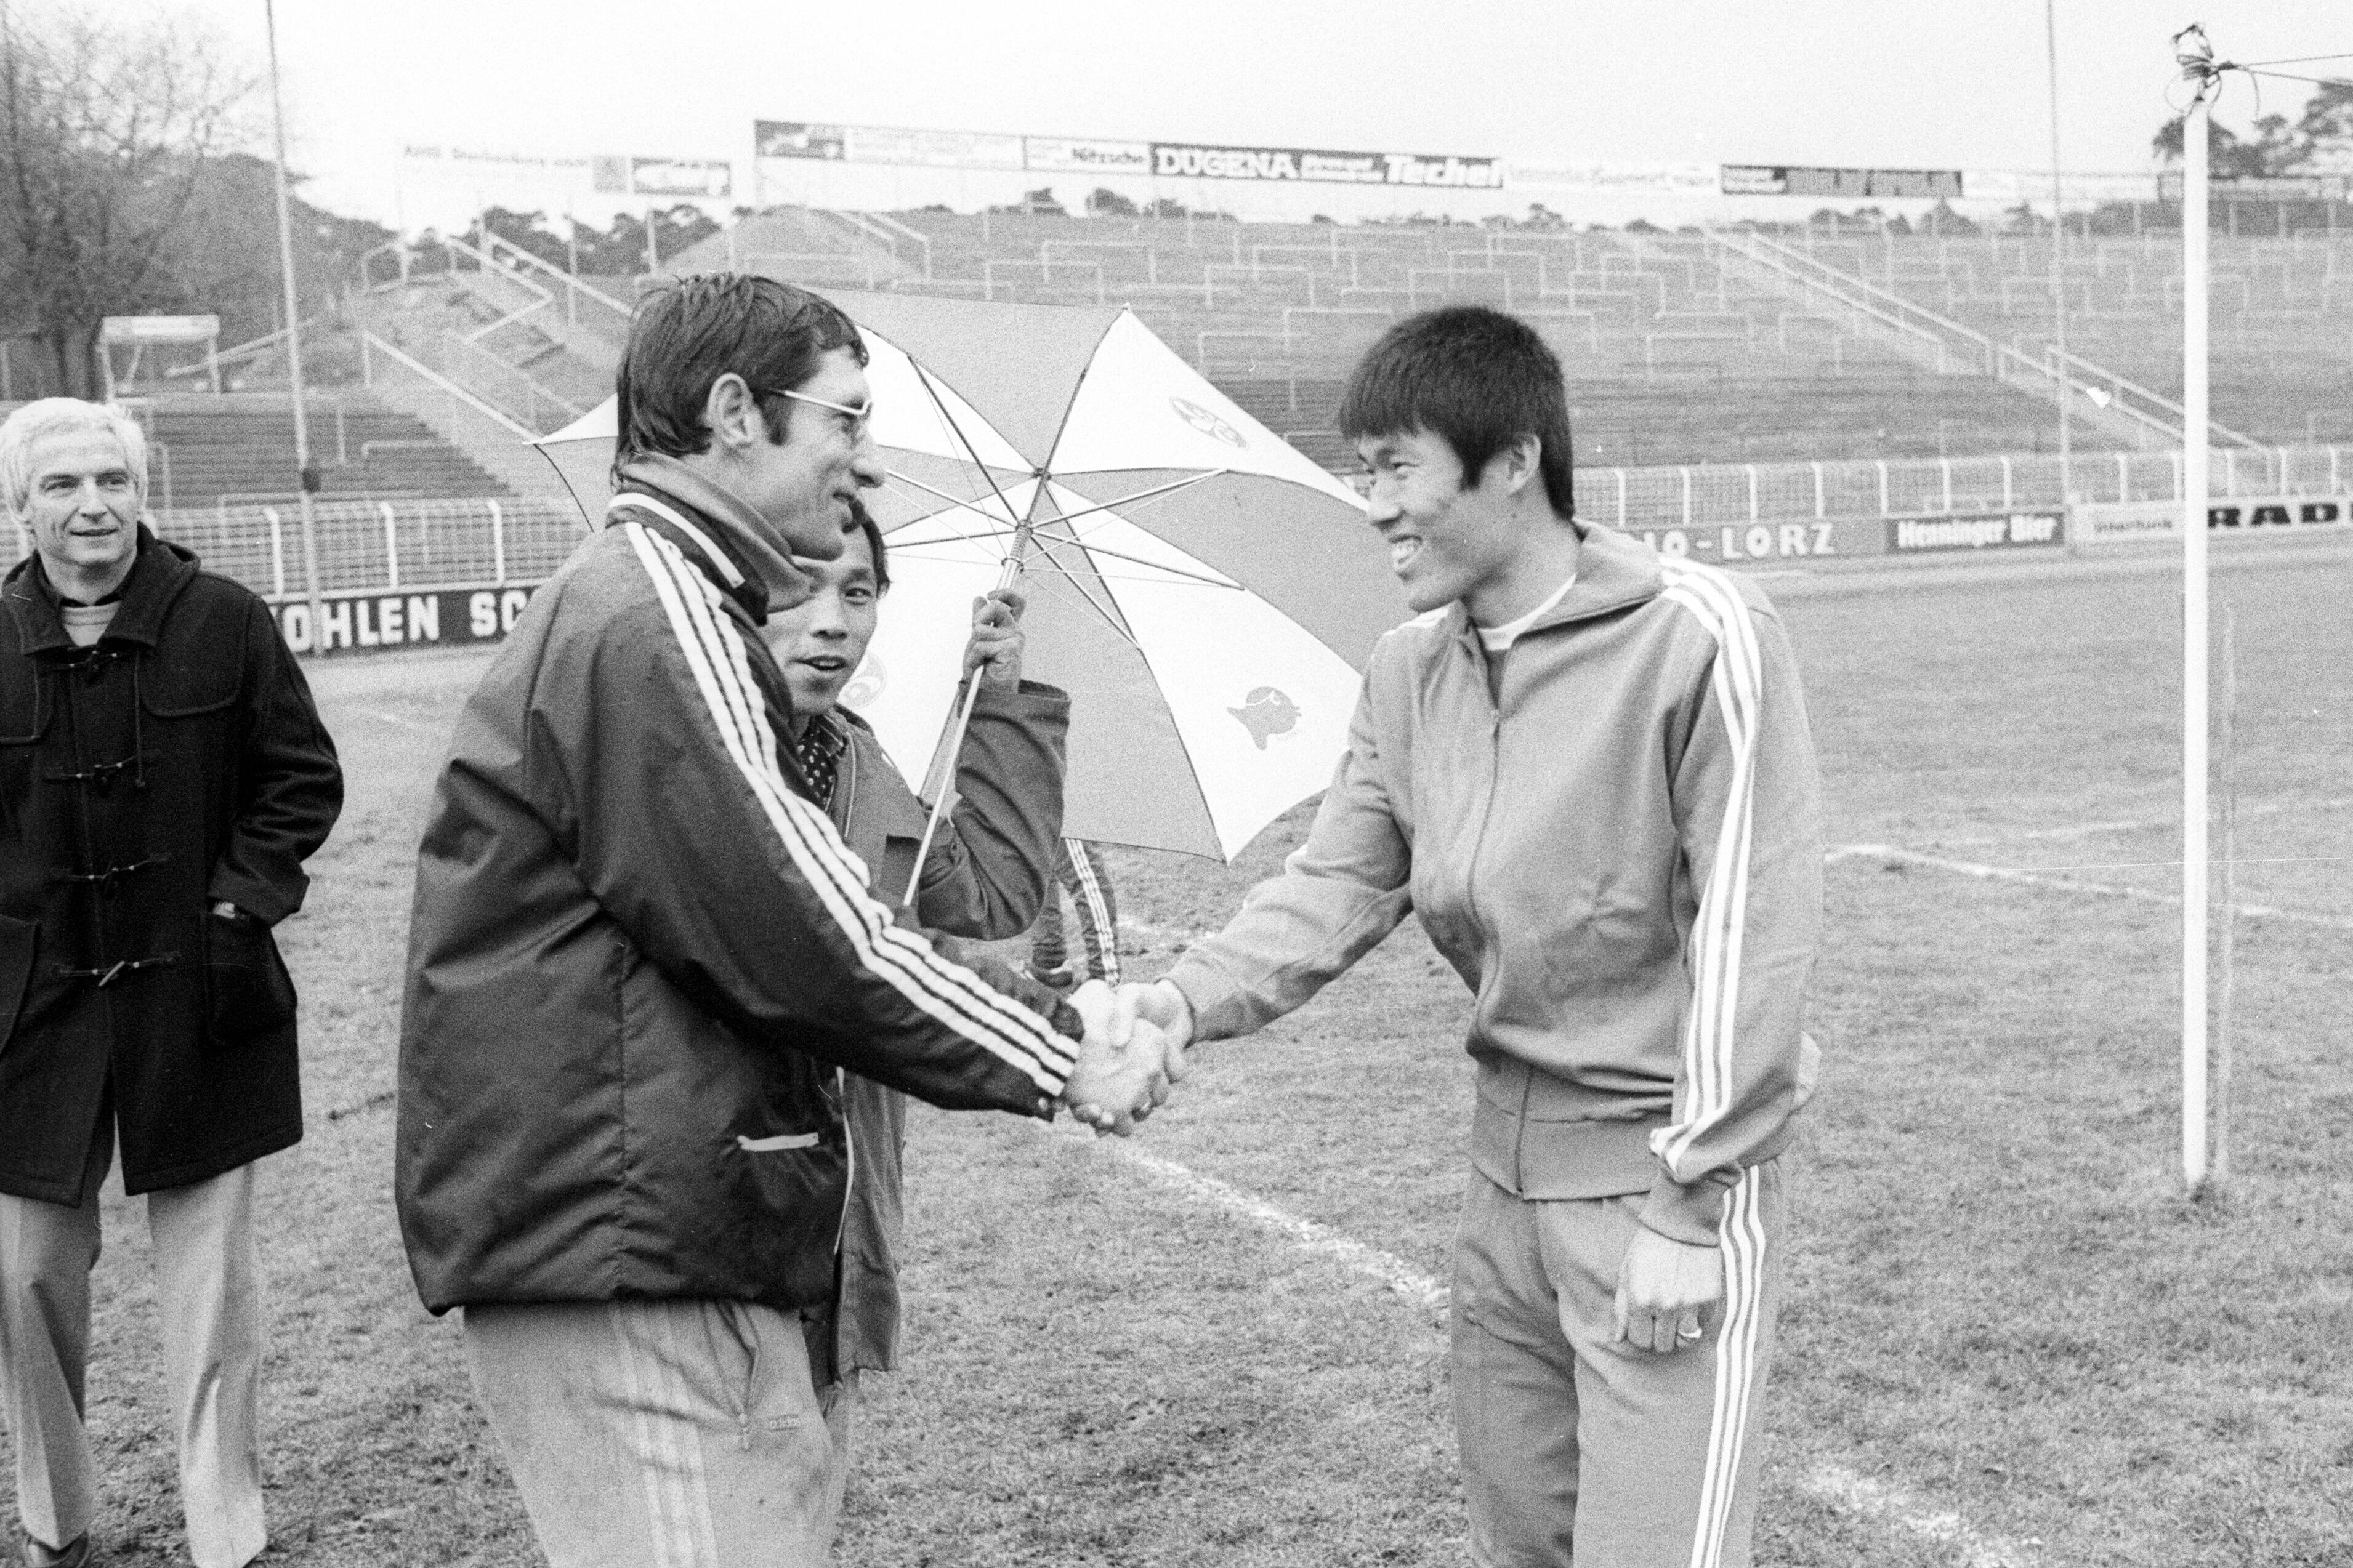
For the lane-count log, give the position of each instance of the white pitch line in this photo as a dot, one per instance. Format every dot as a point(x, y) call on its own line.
point(1306, 1234)
point(2069, 884)
point(2091, 829)
point(1834, 1483)
point(1875, 1500)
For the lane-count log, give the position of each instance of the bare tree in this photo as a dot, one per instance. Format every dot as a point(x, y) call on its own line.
point(105, 131)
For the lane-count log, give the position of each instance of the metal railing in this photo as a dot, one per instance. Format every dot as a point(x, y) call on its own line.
point(520, 264)
point(418, 545)
point(1716, 495)
point(373, 347)
point(409, 545)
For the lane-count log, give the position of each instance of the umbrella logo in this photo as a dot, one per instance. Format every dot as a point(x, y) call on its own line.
point(866, 683)
point(1266, 713)
point(1206, 422)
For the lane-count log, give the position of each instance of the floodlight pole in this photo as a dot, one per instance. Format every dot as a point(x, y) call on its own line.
point(308, 478)
point(2058, 263)
point(2197, 62)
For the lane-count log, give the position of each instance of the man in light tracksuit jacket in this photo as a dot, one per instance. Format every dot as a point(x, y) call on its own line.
point(1587, 768)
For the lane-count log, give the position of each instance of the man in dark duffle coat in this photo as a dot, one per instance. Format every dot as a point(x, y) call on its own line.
point(163, 776)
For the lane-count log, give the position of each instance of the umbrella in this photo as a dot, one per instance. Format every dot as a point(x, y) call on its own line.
point(1207, 593)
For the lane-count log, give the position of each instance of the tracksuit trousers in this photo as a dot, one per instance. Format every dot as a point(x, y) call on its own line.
point(1079, 871)
point(1576, 1448)
point(209, 1299)
point(665, 1434)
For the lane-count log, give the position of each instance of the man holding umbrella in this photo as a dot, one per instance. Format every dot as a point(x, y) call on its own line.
point(639, 956)
point(1587, 768)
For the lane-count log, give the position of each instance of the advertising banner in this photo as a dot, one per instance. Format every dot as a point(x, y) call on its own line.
point(465, 163)
point(1975, 531)
point(711, 179)
point(1736, 544)
point(1782, 180)
point(931, 149)
point(2123, 522)
point(798, 139)
point(2260, 187)
point(1197, 161)
point(1079, 155)
point(380, 622)
point(114, 330)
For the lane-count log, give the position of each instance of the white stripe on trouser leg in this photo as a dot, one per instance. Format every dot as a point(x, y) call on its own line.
point(1106, 930)
point(1742, 1236)
point(673, 1479)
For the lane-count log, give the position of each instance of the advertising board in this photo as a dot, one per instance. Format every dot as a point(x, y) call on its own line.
point(114, 330)
point(799, 139)
point(2126, 523)
point(711, 179)
point(1735, 545)
point(382, 620)
point(1784, 180)
point(806, 139)
point(1968, 531)
point(1081, 155)
point(1202, 161)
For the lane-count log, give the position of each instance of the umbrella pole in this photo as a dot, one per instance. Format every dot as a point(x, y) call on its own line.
point(945, 795)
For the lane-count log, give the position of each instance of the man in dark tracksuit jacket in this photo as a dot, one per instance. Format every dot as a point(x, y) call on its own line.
point(639, 951)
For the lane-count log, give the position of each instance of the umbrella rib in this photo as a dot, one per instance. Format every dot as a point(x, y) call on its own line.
point(961, 439)
point(1047, 541)
point(970, 504)
point(1169, 488)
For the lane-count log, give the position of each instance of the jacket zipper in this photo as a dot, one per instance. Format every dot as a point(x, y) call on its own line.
point(846, 785)
point(1494, 762)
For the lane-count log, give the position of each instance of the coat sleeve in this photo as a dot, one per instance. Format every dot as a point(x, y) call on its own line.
point(988, 873)
point(1336, 897)
point(1748, 810)
point(651, 742)
point(290, 784)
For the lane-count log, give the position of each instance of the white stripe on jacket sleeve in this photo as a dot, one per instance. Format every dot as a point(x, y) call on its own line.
point(1736, 679)
point(947, 993)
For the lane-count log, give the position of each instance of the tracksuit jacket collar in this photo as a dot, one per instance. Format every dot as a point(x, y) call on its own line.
point(1614, 572)
point(757, 571)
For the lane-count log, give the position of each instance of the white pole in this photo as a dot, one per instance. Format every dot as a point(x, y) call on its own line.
point(308, 478)
point(2059, 262)
point(2197, 62)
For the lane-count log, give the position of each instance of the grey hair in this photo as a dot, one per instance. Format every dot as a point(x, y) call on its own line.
point(57, 417)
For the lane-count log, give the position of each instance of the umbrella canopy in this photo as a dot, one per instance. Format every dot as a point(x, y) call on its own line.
point(1206, 594)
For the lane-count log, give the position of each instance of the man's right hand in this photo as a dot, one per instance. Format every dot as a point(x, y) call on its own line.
point(1119, 1078)
point(1163, 1007)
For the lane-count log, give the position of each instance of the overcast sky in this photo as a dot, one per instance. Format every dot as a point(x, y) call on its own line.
point(1900, 83)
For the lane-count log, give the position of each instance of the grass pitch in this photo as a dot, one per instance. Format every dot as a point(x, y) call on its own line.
point(2008, 1338)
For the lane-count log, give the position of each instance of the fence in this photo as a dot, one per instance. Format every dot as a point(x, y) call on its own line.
point(386, 545)
point(1703, 496)
point(418, 545)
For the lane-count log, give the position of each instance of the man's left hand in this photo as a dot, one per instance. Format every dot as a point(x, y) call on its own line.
point(1667, 1292)
point(996, 647)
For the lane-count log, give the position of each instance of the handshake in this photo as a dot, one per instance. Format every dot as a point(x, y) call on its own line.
point(1133, 1050)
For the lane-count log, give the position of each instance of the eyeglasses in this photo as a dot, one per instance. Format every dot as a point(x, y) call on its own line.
point(856, 418)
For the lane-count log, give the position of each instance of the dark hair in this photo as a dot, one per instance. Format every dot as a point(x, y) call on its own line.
point(873, 532)
point(1477, 379)
point(687, 334)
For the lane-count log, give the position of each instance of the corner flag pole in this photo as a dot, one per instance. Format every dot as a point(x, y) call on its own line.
point(2197, 60)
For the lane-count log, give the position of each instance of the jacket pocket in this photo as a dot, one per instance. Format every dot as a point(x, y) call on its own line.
point(20, 943)
point(247, 992)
